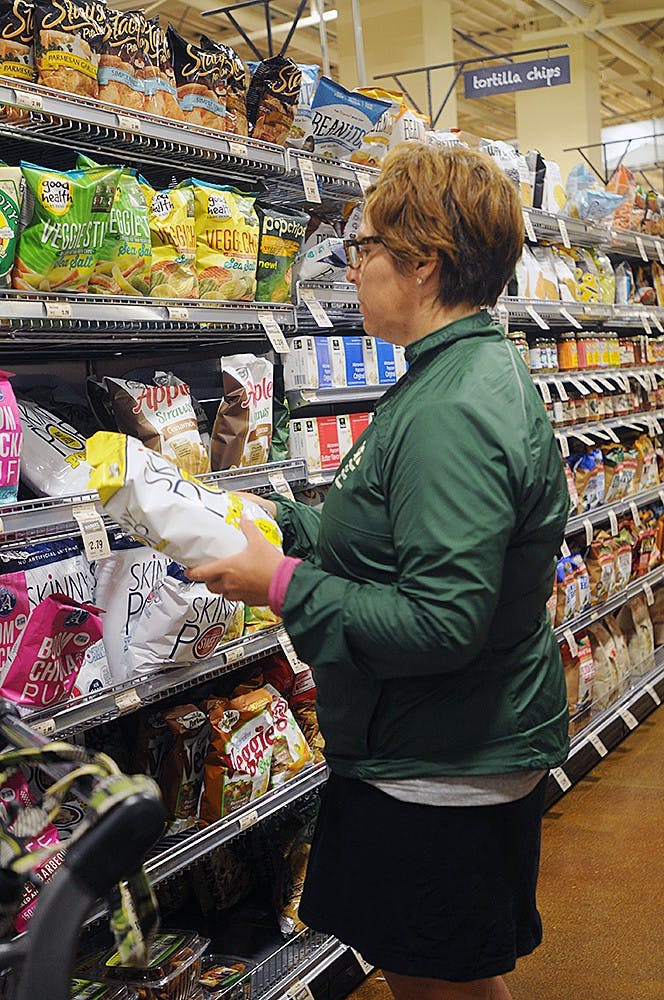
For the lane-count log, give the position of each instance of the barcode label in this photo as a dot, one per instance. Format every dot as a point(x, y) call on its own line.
point(630, 720)
point(58, 310)
point(93, 531)
point(309, 182)
point(315, 308)
point(128, 123)
point(128, 701)
point(274, 332)
point(596, 742)
point(533, 313)
point(562, 779)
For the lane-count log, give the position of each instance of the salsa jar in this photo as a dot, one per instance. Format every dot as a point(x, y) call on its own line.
point(568, 353)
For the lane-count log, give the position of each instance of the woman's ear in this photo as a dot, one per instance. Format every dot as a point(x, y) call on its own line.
point(425, 268)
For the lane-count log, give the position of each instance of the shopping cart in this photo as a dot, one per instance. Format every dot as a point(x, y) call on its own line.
point(124, 818)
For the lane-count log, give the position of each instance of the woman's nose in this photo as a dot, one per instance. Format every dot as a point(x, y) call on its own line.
point(352, 274)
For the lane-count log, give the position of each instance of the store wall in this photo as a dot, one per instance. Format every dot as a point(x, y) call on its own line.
point(400, 36)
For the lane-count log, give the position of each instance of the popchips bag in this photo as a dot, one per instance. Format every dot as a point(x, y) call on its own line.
point(70, 212)
point(173, 232)
point(341, 119)
point(226, 241)
point(281, 234)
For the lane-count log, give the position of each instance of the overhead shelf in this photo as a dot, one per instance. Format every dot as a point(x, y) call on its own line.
point(605, 429)
point(552, 228)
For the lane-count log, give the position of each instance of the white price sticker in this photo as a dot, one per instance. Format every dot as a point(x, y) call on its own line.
point(564, 445)
point(363, 180)
point(128, 701)
point(563, 781)
point(630, 720)
point(309, 182)
point(93, 531)
point(2, 527)
point(583, 437)
point(596, 742)
point(623, 382)
point(562, 226)
point(545, 391)
point(561, 390)
point(280, 484)
point(503, 317)
point(274, 332)
point(589, 531)
point(645, 322)
point(594, 386)
point(234, 655)
point(660, 251)
point(650, 597)
point(613, 522)
point(571, 641)
point(298, 991)
point(583, 389)
point(649, 689)
point(128, 123)
point(566, 314)
point(366, 967)
point(58, 310)
point(237, 148)
point(641, 248)
point(564, 549)
point(635, 514)
point(308, 296)
point(658, 323)
point(296, 663)
point(248, 819)
point(528, 226)
point(177, 314)
point(612, 434)
point(533, 313)
point(45, 726)
point(33, 102)
point(641, 379)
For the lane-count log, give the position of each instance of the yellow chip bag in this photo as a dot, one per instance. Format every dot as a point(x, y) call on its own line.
point(171, 218)
point(227, 231)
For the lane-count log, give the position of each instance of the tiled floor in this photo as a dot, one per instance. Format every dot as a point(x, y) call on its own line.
point(601, 889)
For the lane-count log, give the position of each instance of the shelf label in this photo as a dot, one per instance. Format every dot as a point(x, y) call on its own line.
point(309, 182)
point(45, 726)
point(571, 641)
point(660, 251)
point(308, 296)
point(128, 123)
point(274, 332)
point(237, 148)
point(563, 781)
point(128, 701)
point(528, 226)
point(93, 531)
point(561, 390)
point(503, 316)
point(613, 522)
point(582, 437)
point(650, 689)
point(298, 991)
point(363, 180)
point(641, 380)
point(533, 313)
point(545, 391)
point(647, 590)
point(566, 314)
point(178, 314)
point(612, 434)
point(587, 524)
point(635, 514)
point(656, 320)
point(562, 226)
point(630, 720)
point(298, 666)
point(564, 549)
point(248, 819)
point(58, 310)
point(366, 967)
point(623, 382)
point(583, 389)
point(564, 445)
point(645, 322)
point(234, 655)
point(641, 248)
point(596, 742)
point(594, 386)
point(280, 484)
point(33, 102)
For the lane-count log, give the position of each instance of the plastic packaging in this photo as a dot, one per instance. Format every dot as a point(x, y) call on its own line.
point(172, 973)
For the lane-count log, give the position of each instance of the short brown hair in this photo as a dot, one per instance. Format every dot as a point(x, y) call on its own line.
point(455, 202)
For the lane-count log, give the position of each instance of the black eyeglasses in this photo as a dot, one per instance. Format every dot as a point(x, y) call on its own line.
point(355, 251)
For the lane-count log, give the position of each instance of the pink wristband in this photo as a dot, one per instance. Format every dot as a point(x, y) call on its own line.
point(279, 583)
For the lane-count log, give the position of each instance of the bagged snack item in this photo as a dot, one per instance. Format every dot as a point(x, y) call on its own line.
point(281, 234)
point(182, 770)
point(202, 81)
point(644, 293)
point(181, 622)
point(565, 268)
point(623, 183)
point(223, 879)
point(290, 851)
point(173, 234)
point(256, 619)
point(121, 60)
point(70, 212)
point(162, 417)
point(613, 457)
point(153, 501)
point(272, 99)
point(588, 469)
point(537, 171)
point(236, 96)
point(587, 275)
point(342, 118)
point(601, 567)
point(299, 136)
point(220, 972)
point(586, 198)
point(11, 198)
point(624, 283)
point(630, 467)
point(376, 142)
point(168, 378)
point(68, 45)
point(554, 195)
point(152, 743)
point(623, 558)
point(647, 474)
point(324, 262)
point(607, 277)
point(566, 603)
point(42, 666)
point(634, 622)
point(125, 257)
point(623, 665)
point(582, 579)
point(658, 281)
point(410, 126)
point(158, 78)
point(657, 617)
point(243, 426)
point(290, 752)
point(17, 30)
point(10, 441)
point(226, 241)
point(572, 490)
point(644, 555)
point(545, 285)
point(53, 460)
point(95, 673)
point(606, 679)
point(44, 870)
point(579, 674)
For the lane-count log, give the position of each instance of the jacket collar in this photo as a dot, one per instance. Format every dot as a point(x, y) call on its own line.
point(478, 325)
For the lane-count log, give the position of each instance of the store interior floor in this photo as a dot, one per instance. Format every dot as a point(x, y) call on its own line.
point(601, 889)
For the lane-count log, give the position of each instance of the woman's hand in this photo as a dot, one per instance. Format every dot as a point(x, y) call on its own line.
point(245, 576)
point(269, 506)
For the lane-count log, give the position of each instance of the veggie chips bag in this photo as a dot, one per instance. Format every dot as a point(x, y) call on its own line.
point(226, 241)
point(171, 219)
point(17, 29)
point(59, 248)
point(281, 235)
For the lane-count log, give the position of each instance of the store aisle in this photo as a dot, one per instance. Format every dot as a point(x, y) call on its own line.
point(602, 884)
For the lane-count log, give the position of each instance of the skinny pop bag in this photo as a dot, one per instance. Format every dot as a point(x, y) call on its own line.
point(53, 453)
point(10, 441)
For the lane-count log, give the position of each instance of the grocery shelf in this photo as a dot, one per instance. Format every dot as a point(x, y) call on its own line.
point(552, 313)
point(547, 227)
point(331, 304)
point(337, 181)
point(596, 378)
point(322, 478)
point(299, 398)
point(259, 478)
point(597, 515)
point(328, 293)
point(630, 243)
point(579, 622)
point(603, 429)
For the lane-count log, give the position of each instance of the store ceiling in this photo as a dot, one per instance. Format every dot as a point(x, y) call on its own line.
point(629, 35)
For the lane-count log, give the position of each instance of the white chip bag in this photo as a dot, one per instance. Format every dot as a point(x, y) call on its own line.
point(52, 454)
point(341, 119)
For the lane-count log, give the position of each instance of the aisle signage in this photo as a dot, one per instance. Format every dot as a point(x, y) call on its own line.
point(506, 79)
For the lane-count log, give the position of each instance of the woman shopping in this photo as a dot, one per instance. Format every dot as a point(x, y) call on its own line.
point(418, 596)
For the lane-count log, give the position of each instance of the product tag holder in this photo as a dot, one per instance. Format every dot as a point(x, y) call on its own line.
point(613, 523)
point(660, 251)
point(564, 549)
point(641, 248)
point(58, 310)
point(630, 720)
point(561, 778)
point(588, 528)
point(566, 314)
point(248, 819)
point(564, 444)
point(308, 296)
point(650, 689)
point(309, 181)
point(650, 597)
point(129, 124)
point(31, 102)
point(296, 663)
point(528, 226)
point(274, 332)
point(578, 384)
point(597, 743)
point(234, 655)
point(645, 322)
point(561, 390)
point(93, 531)
point(177, 314)
point(568, 635)
point(562, 226)
point(280, 484)
point(545, 392)
point(634, 510)
point(236, 148)
point(363, 180)
point(128, 701)
point(533, 313)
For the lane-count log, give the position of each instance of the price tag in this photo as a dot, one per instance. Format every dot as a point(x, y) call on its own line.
point(2, 527)
point(661, 495)
point(93, 531)
point(564, 549)
point(128, 701)
point(308, 296)
point(645, 322)
point(607, 383)
point(583, 389)
point(641, 248)
point(503, 316)
point(545, 391)
point(33, 102)
point(635, 514)
point(587, 524)
point(533, 313)
point(623, 381)
point(234, 655)
point(128, 123)
point(656, 320)
point(298, 991)
point(613, 522)
point(582, 437)
point(58, 310)
point(363, 180)
point(309, 182)
point(561, 390)
point(562, 779)
point(528, 226)
point(280, 484)
point(596, 742)
point(178, 314)
point(650, 597)
point(562, 226)
point(630, 720)
point(248, 819)
point(568, 635)
point(274, 332)
point(237, 148)
point(649, 689)
point(660, 251)
point(366, 967)
point(566, 314)
point(594, 386)
point(45, 726)
point(564, 445)
point(612, 434)
point(296, 663)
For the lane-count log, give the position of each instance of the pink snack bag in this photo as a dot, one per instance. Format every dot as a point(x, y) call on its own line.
point(11, 436)
point(46, 659)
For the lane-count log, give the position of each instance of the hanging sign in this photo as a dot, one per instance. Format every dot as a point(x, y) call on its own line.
point(504, 79)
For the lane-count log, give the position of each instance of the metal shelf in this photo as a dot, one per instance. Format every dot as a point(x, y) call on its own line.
point(638, 421)
point(299, 398)
point(329, 293)
point(625, 241)
point(599, 514)
point(594, 377)
point(322, 478)
point(579, 622)
point(547, 227)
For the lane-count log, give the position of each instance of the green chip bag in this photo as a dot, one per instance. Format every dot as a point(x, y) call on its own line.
point(125, 256)
point(11, 192)
point(69, 214)
point(281, 234)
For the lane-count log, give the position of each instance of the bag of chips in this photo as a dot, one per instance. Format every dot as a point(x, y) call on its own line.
point(281, 234)
point(579, 675)
point(582, 579)
point(601, 567)
point(272, 99)
point(607, 277)
point(565, 268)
point(243, 426)
point(10, 441)
point(588, 469)
point(121, 60)
point(586, 198)
point(299, 136)
point(566, 602)
point(376, 142)
point(226, 241)
point(634, 622)
point(53, 460)
point(236, 96)
point(202, 81)
point(623, 665)
point(182, 769)
point(623, 184)
point(17, 31)
point(11, 199)
point(342, 118)
point(168, 378)
point(69, 217)
point(173, 233)
point(606, 679)
point(68, 45)
point(158, 78)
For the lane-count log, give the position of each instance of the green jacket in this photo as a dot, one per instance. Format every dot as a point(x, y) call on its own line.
point(421, 600)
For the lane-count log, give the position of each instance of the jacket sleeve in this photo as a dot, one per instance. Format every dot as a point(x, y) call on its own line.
point(452, 506)
point(299, 525)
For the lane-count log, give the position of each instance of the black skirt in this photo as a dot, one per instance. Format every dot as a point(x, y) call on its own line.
point(441, 892)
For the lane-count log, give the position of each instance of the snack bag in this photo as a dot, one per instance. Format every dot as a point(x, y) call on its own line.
point(125, 256)
point(624, 283)
point(623, 557)
point(582, 580)
point(272, 99)
point(587, 275)
point(572, 490)
point(299, 136)
point(43, 871)
point(157, 76)
point(657, 617)
point(623, 665)
point(658, 281)
point(411, 126)
point(152, 500)
point(182, 769)
point(545, 284)
point(586, 198)
point(579, 674)
point(11, 199)
point(647, 474)
point(281, 234)
point(613, 457)
point(566, 604)
point(162, 417)
point(565, 269)
point(644, 293)
point(243, 426)
point(341, 119)
point(376, 142)
point(173, 233)
point(325, 261)
point(607, 277)
point(168, 378)
point(202, 81)
point(17, 31)
point(588, 469)
point(606, 678)
point(236, 96)
point(623, 184)
point(226, 241)
point(121, 60)
point(290, 751)
point(634, 622)
point(68, 44)
point(554, 195)
point(70, 213)
point(601, 567)
point(52, 453)
point(10, 441)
